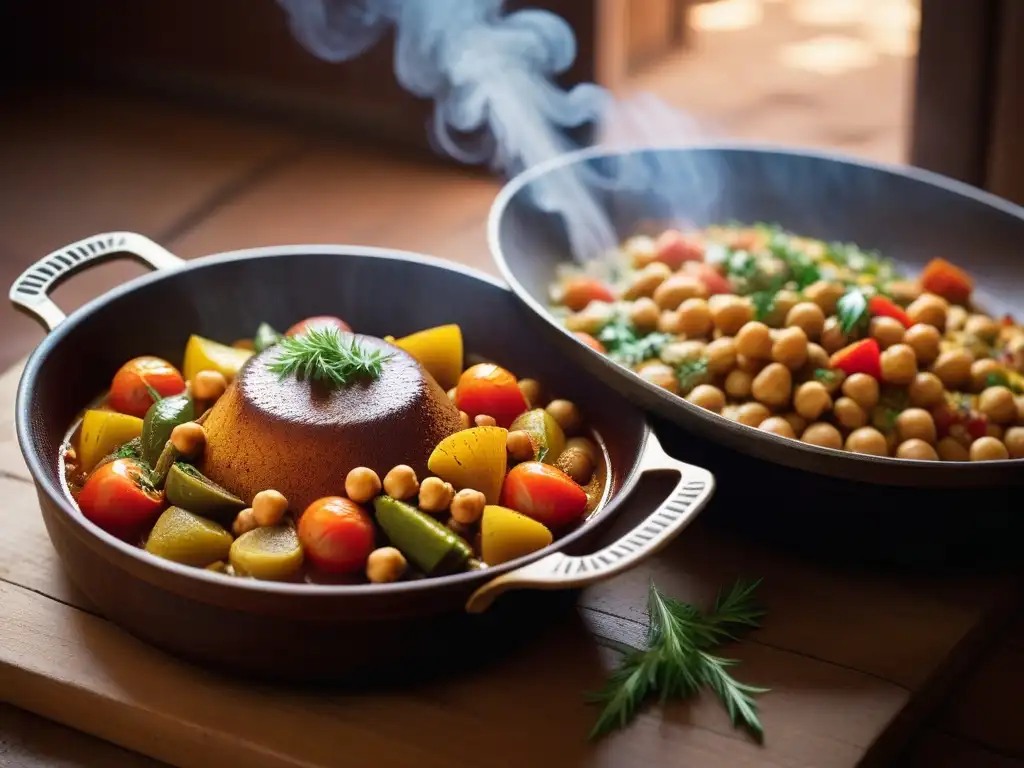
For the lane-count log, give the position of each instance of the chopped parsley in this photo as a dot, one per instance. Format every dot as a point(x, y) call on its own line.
point(692, 373)
point(1000, 379)
point(825, 375)
point(626, 346)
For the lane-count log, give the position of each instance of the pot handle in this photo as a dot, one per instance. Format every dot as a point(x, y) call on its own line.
point(561, 571)
point(31, 291)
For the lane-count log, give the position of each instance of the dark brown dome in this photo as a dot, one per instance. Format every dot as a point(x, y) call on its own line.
point(301, 438)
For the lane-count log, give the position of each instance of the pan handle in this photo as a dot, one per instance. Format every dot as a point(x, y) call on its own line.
point(31, 291)
point(561, 571)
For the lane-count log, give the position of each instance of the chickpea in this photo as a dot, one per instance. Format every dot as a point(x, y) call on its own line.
point(731, 412)
point(886, 331)
point(460, 529)
point(436, 494)
point(777, 426)
point(483, 420)
point(669, 322)
point(796, 421)
point(998, 405)
point(209, 385)
point(453, 393)
point(916, 449)
point(647, 280)
point(862, 389)
point(680, 351)
point(738, 383)
point(956, 318)
point(467, 506)
point(811, 399)
point(807, 316)
point(929, 309)
point(867, 440)
point(694, 318)
point(825, 295)
point(531, 391)
point(268, 507)
point(641, 250)
point(401, 483)
point(899, 364)
point(849, 414)
point(592, 318)
point(988, 449)
point(677, 289)
point(244, 522)
point(926, 390)
point(924, 340)
point(832, 337)
point(916, 423)
point(954, 368)
point(784, 301)
point(981, 370)
point(577, 463)
point(904, 291)
point(822, 434)
point(730, 313)
point(752, 414)
point(385, 565)
point(994, 430)
point(817, 358)
point(721, 355)
point(790, 347)
point(661, 375)
point(518, 445)
point(362, 485)
point(644, 314)
point(1020, 407)
point(982, 326)
point(708, 397)
point(773, 385)
point(750, 365)
point(188, 439)
point(464, 420)
point(566, 414)
point(950, 449)
point(754, 340)
point(1013, 438)
point(586, 445)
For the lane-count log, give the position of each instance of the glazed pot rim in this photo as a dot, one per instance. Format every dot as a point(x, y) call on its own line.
point(142, 562)
point(600, 364)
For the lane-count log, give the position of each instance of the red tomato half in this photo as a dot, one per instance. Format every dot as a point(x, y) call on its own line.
point(578, 292)
point(336, 535)
point(319, 321)
point(590, 341)
point(119, 499)
point(128, 391)
point(545, 493)
point(492, 391)
point(883, 307)
point(673, 248)
point(713, 280)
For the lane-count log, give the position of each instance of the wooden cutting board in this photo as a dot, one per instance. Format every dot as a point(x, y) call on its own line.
point(854, 660)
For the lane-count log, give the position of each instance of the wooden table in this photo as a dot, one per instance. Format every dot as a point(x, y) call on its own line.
point(854, 661)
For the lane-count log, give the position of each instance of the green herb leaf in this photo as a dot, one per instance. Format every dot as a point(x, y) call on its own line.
point(265, 337)
point(802, 268)
point(825, 375)
point(1000, 379)
point(692, 373)
point(852, 310)
point(321, 354)
point(677, 663)
point(626, 346)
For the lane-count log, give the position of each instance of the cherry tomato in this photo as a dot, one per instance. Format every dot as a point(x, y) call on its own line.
point(492, 391)
point(883, 307)
point(713, 280)
point(119, 498)
point(545, 493)
point(128, 391)
point(577, 292)
point(863, 356)
point(319, 321)
point(590, 341)
point(947, 280)
point(336, 535)
point(673, 248)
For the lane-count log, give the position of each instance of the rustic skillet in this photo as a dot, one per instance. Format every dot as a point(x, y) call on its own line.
point(298, 631)
point(908, 214)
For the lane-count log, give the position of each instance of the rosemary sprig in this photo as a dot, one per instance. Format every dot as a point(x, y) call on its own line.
point(677, 662)
point(321, 354)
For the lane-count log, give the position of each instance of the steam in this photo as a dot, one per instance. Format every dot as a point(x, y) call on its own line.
point(491, 78)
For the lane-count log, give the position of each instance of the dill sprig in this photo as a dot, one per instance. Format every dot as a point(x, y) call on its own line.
point(321, 354)
point(677, 662)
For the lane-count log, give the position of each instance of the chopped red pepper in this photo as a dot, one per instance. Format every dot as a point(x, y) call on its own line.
point(590, 341)
point(883, 307)
point(713, 280)
point(860, 357)
point(577, 292)
point(673, 248)
point(947, 280)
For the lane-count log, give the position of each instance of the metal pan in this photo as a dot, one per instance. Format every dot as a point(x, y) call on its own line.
point(908, 214)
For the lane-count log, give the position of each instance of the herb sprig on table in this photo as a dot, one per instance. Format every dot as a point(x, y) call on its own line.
point(321, 354)
point(678, 662)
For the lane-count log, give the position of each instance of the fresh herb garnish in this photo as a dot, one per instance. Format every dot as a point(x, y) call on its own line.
point(691, 373)
point(265, 337)
point(802, 268)
point(677, 662)
point(825, 375)
point(852, 310)
point(1000, 379)
point(626, 346)
point(321, 354)
point(130, 450)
